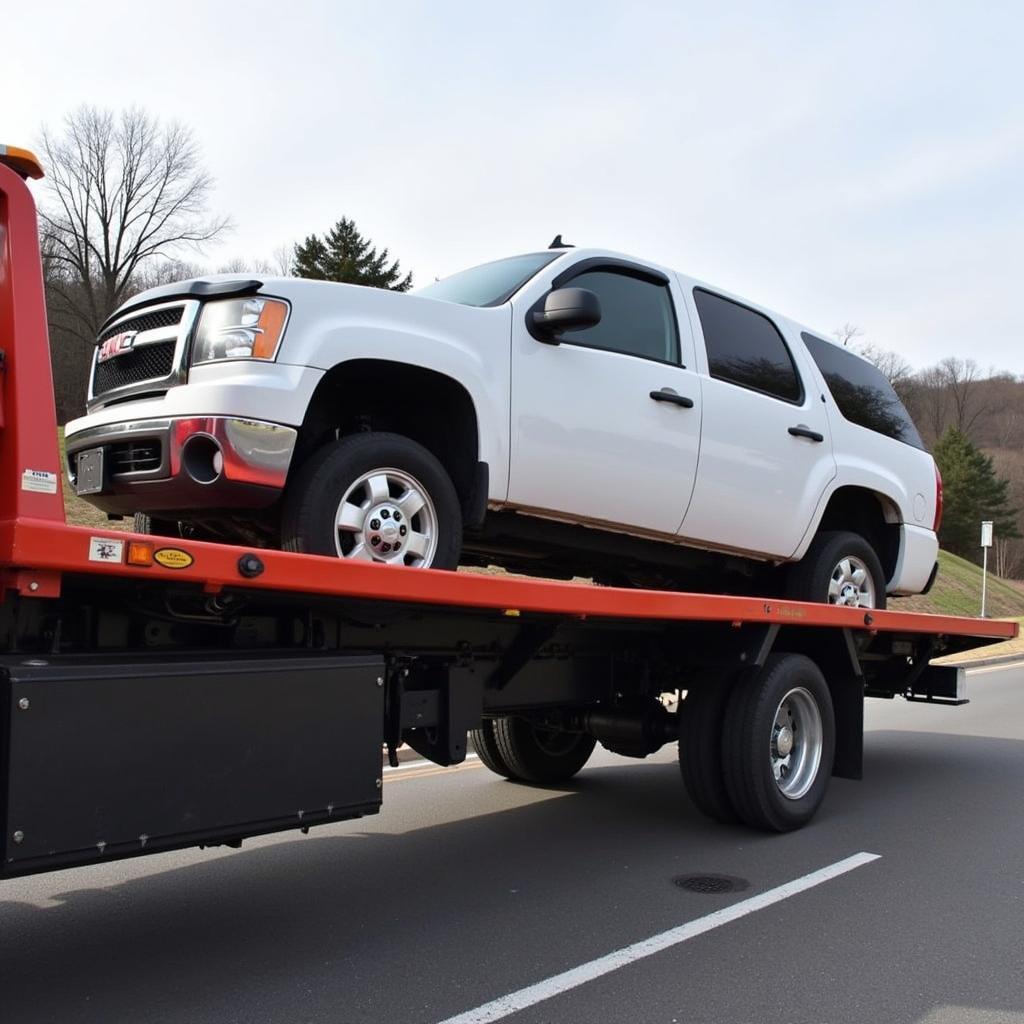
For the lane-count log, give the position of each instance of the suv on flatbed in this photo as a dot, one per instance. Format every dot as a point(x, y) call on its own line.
point(563, 412)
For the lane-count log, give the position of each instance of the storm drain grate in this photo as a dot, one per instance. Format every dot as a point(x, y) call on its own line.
point(711, 885)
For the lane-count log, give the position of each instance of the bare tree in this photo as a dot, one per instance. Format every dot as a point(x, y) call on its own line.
point(283, 259)
point(961, 379)
point(847, 333)
point(892, 364)
point(241, 265)
point(125, 193)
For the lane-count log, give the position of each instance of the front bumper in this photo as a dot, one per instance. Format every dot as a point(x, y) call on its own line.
point(190, 466)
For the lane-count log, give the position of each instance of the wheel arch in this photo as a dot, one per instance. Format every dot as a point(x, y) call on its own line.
point(874, 515)
point(429, 407)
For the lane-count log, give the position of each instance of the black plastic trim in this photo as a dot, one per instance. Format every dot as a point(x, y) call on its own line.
point(812, 435)
point(609, 263)
point(476, 505)
point(197, 289)
point(931, 579)
point(672, 398)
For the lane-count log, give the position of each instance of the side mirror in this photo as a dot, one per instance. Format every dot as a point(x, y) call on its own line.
point(565, 309)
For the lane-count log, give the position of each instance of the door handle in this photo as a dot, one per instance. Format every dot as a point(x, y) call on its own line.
point(802, 431)
point(668, 395)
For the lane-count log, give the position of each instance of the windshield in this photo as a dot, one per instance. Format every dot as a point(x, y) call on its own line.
point(490, 284)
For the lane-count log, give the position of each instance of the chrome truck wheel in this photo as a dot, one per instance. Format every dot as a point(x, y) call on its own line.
point(851, 584)
point(374, 497)
point(796, 743)
point(387, 515)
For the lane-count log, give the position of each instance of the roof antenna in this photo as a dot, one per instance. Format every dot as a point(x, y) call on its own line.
point(559, 244)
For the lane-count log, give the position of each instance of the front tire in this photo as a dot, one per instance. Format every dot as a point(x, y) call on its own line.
point(839, 568)
point(374, 497)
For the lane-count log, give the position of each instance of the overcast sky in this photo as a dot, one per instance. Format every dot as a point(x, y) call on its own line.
point(840, 163)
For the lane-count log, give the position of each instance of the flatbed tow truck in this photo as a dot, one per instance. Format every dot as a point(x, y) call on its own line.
point(157, 695)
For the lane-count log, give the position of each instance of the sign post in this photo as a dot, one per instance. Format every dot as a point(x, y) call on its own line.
point(986, 543)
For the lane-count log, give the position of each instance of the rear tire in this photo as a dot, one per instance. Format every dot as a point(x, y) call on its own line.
point(778, 743)
point(702, 714)
point(839, 568)
point(537, 755)
point(486, 746)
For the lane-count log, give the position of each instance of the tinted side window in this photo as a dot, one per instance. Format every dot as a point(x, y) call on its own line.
point(746, 348)
point(862, 392)
point(636, 316)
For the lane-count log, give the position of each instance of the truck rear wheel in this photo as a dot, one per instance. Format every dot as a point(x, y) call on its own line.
point(485, 744)
point(700, 747)
point(778, 743)
point(374, 497)
point(839, 568)
point(536, 754)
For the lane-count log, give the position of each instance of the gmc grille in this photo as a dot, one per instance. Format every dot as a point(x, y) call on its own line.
point(147, 362)
point(144, 322)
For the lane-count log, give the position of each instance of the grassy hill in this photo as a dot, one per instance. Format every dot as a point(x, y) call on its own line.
point(957, 591)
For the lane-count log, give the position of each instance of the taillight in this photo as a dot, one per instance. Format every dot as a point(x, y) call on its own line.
point(938, 500)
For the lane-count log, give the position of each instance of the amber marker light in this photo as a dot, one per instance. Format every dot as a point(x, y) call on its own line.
point(140, 553)
point(271, 324)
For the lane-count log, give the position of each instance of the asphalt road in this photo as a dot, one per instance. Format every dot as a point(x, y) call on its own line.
point(467, 889)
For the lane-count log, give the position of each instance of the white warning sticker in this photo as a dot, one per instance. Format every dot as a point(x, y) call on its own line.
point(39, 480)
point(106, 549)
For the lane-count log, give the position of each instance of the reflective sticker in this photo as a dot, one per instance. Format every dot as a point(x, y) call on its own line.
point(39, 480)
point(173, 558)
point(106, 549)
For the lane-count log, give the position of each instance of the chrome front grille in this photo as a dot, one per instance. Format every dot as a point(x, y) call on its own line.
point(147, 362)
point(168, 317)
point(154, 361)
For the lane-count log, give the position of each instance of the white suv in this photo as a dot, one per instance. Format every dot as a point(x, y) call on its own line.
point(571, 411)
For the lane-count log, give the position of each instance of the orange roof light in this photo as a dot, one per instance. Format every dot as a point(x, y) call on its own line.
point(20, 160)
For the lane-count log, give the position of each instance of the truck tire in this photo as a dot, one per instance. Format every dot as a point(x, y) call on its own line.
point(839, 568)
point(374, 497)
point(700, 747)
point(486, 746)
point(537, 755)
point(778, 743)
point(142, 523)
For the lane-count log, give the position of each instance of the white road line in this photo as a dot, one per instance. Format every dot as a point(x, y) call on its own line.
point(422, 763)
point(504, 1006)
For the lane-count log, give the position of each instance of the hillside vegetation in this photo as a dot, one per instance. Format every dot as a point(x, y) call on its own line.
point(957, 591)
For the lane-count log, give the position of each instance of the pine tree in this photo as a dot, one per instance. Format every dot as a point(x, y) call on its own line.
point(972, 493)
point(344, 255)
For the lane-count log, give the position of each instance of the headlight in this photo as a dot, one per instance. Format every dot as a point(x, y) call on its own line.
point(239, 329)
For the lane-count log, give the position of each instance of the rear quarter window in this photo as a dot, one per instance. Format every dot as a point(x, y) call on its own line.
point(746, 349)
point(862, 392)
